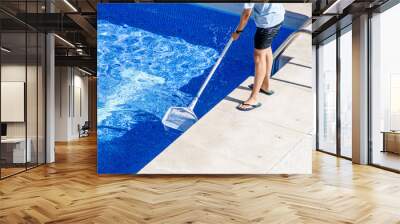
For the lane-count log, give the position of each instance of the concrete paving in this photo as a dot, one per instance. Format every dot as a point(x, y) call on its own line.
point(275, 138)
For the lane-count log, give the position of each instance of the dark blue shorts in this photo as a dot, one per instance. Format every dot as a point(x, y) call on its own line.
point(264, 36)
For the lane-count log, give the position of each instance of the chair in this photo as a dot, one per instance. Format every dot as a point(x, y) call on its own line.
point(84, 130)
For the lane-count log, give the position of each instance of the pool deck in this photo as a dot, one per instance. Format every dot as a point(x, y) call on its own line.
point(276, 138)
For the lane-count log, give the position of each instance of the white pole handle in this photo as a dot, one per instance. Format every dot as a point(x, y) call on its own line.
point(196, 98)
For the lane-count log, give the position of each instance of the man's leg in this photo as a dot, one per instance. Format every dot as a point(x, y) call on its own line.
point(260, 62)
point(269, 62)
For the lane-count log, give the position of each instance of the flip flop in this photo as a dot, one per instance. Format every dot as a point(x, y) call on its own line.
point(251, 106)
point(269, 93)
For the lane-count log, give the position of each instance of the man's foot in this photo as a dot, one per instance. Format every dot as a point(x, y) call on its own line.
point(249, 104)
point(268, 92)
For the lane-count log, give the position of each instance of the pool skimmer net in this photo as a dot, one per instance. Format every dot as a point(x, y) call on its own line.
point(182, 118)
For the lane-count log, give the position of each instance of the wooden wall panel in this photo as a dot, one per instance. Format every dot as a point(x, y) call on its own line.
point(93, 103)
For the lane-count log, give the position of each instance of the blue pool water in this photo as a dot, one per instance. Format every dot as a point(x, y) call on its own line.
point(152, 57)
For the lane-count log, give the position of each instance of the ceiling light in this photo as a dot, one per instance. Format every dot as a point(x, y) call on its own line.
point(70, 5)
point(337, 7)
point(79, 51)
point(5, 50)
point(84, 71)
point(64, 40)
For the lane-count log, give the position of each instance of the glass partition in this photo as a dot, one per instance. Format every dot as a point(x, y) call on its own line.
point(13, 109)
point(31, 99)
point(22, 77)
point(346, 92)
point(41, 97)
point(327, 96)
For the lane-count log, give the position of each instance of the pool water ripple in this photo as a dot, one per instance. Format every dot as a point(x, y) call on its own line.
point(142, 71)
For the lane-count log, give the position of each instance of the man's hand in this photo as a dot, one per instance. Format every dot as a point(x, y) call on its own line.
point(235, 35)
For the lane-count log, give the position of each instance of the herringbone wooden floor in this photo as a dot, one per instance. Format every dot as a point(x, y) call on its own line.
point(70, 191)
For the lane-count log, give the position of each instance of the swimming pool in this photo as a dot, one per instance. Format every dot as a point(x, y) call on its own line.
point(152, 57)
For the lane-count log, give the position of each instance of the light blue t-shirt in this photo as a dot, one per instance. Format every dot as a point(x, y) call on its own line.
point(266, 15)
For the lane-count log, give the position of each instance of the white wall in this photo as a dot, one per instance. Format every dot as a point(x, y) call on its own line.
point(71, 94)
point(61, 103)
point(80, 109)
point(13, 72)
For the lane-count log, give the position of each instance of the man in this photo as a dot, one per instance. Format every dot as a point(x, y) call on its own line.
point(268, 18)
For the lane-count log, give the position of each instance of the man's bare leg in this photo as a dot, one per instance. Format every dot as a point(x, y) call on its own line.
point(260, 62)
point(269, 61)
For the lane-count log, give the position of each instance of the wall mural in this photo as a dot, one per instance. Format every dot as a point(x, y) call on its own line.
point(152, 57)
